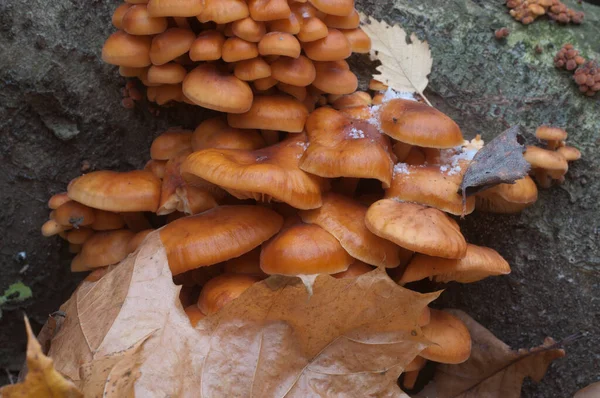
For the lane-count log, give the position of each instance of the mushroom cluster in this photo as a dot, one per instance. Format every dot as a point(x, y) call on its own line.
point(587, 77)
point(526, 11)
point(568, 58)
point(223, 55)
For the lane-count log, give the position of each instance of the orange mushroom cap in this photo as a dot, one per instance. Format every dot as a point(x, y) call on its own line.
point(107, 220)
point(550, 133)
point(165, 93)
point(269, 10)
point(236, 49)
point(217, 235)
point(360, 42)
point(271, 113)
point(290, 25)
point(450, 337)
point(215, 133)
point(507, 198)
point(356, 269)
point(124, 49)
point(207, 46)
point(570, 153)
point(74, 214)
point(221, 290)
point(170, 143)
point(223, 11)
point(304, 249)
point(170, 73)
point(312, 29)
point(358, 98)
point(252, 69)
point(479, 263)
point(51, 228)
point(343, 147)
point(170, 44)
point(279, 43)
point(137, 21)
point(211, 88)
point(175, 8)
point(194, 314)
point(103, 248)
point(58, 199)
point(79, 236)
point(117, 17)
point(247, 264)
point(334, 7)
point(334, 47)
point(249, 29)
point(263, 174)
point(551, 161)
point(335, 77)
point(298, 71)
point(418, 124)
point(344, 218)
point(428, 185)
point(156, 167)
point(113, 191)
point(350, 21)
point(417, 228)
point(297, 92)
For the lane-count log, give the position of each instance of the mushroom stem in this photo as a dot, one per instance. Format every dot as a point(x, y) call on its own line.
point(136, 221)
point(347, 186)
point(410, 379)
point(552, 145)
point(542, 178)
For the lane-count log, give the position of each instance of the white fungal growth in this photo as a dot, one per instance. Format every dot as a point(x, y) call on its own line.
point(391, 94)
point(374, 119)
point(356, 134)
point(401, 168)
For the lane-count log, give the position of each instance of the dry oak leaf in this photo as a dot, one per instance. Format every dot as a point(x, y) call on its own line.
point(352, 337)
point(42, 379)
point(404, 65)
point(494, 370)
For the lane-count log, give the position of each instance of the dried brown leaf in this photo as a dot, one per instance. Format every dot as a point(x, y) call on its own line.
point(404, 65)
point(494, 370)
point(273, 341)
point(42, 379)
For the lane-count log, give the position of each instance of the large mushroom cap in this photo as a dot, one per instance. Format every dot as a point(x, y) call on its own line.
point(217, 235)
point(211, 88)
point(417, 228)
point(263, 174)
point(333, 47)
point(334, 7)
point(124, 49)
point(428, 185)
point(304, 249)
point(570, 153)
point(221, 290)
point(507, 198)
point(418, 124)
point(271, 113)
point(170, 44)
point(136, 190)
point(344, 218)
point(335, 77)
point(550, 133)
point(450, 337)
point(216, 133)
point(344, 147)
point(544, 159)
point(223, 11)
point(479, 263)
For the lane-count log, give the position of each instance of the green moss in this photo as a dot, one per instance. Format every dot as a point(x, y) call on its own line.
point(15, 293)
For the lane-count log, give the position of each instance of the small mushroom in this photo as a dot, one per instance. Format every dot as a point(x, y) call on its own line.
point(127, 50)
point(207, 46)
point(170, 143)
point(223, 11)
point(546, 165)
point(271, 113)
point(74, 214)
point(175, 8)
point(137, 21)
point(246, 264)
point(479, 263)
point(236, 49)
point(451, 341)
point(102, 249)
point(507, 198)
point(249, 29)
point(417, 228)
point(223, 289)
point(170, 44)
point(334, 47)
point(552, 135)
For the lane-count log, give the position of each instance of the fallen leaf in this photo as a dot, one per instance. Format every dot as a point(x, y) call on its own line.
point(273, 341)
point(42, 379)
point(494, 370)
point(404, 65)
point(501, 161)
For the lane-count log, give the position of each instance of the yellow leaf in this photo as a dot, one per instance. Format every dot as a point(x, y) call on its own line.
point(404, 66)
point(42, 379)
point(273, 341)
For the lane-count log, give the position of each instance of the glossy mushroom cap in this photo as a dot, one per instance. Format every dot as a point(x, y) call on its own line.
point(335, 77)
point(334, 7)
point(136, 190)
point(450, 337)
point(268, 10)
point(343, 147)
point(249, 29)
point(107, 220)
point(58, 199)
point(479, 263)
point(74, 214)
point(221, 290)
point(344, 218)
point(304, 249)
point(416, 228)
point(169, 73)
point(103, 248)
point(507, 198)
point(170, 143)
point(235, 49)
point(217, 235)
point(247, 264)
point(124, 49)
point(418, 124)
point(298, 71)
point(170, 44)
point(223, 11)
point(553, 135)
point(570, 153)
point(551, 161)
point(360, 42)
point(334, 47)
point(271, 113)
point(212, 88)
point(137, 21)
point(265, 174)
point(252, 69)
point(428, 185)
point(351, 21)
point(279, 43)
point(207, 46)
